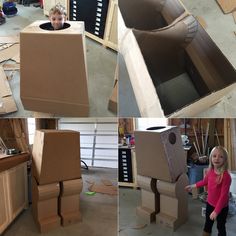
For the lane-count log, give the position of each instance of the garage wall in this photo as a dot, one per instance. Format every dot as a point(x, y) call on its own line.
point(99, 139)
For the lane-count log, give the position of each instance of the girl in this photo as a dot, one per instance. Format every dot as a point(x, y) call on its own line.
point(218, 181)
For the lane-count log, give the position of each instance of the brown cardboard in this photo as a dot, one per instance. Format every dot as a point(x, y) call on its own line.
point(56, 156)
point(69, 201)
point(234, 16)
point(48, 224)
point(159, 153)
point(71, 187)
point(9, 52)
point(173, 203)
point(105, 189)
point(11, 66)
point(176, 61)
point(7, 102)
point(227, 6)
point(150, 199)
point(45, 205)
point(112, 104)
point(69, 210)
point(54, 80)
point(9, 39)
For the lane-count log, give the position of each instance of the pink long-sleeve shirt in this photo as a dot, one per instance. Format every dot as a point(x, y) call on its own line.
point(218, 193)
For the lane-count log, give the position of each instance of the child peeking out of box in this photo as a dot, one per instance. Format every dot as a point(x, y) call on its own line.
point(57, 17)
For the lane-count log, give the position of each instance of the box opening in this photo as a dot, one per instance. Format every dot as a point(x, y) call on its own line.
point(156, 128)
point(48, 26)
point(183, 62)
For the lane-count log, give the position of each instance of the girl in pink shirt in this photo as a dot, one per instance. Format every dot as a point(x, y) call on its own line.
point(218, 181)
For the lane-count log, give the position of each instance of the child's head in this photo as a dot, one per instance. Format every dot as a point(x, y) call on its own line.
point(57, 16)
point(219, 159)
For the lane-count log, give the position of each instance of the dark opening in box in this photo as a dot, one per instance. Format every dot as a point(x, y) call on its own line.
point(183, 62)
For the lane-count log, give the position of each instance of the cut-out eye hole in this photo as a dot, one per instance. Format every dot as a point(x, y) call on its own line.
point(48, 26)
point(172, 138)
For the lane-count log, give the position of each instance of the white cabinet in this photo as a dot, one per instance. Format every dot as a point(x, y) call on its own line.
point(48, 4)
point(13, 194)
point(4, 213)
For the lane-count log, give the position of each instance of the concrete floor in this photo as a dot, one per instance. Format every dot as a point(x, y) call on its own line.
point(100, 60)
point(99, 212)
point(221, 29)
point(129, 199)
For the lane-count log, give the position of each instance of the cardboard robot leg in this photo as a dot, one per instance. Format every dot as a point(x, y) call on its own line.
point(173, 203)
point(45, 206)
point(69, 201)
point(149, 198)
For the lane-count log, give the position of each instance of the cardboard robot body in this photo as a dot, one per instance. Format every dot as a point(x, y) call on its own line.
point(160, 154)
point(56, 156)
point(53, 70)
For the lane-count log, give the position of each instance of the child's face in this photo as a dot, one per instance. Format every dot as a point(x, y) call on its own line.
point(57, 21)
point(217, 158)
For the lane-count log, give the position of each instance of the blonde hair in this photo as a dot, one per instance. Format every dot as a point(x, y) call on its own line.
point(58, 9)
point(224, 167)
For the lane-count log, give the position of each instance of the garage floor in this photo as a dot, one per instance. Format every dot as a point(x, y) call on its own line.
point(99, 212)
point(221, 29)
point(100, 60)
point(131, 225)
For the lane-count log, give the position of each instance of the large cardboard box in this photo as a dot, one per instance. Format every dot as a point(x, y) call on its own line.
point(173, 203)
point(53, 73)
point(159, 153)
point(69, 209)
point(45, 205)
point(56, 156)
point(175, 68)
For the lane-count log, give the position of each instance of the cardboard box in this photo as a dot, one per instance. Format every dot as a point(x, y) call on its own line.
point(173, 203)
point(56, 156)
point(45, 205)
point(150, 198)
point(159, 153)
point(170, 55)
point(69, 201)
point(71, 187)
point(53, 73)
point(69, 211)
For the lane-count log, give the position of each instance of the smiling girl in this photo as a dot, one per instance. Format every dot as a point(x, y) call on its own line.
point(218, 182)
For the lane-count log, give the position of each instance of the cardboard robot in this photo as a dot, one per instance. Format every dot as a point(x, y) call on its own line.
point(161, 168)
point(53, 73)
point(57, 182)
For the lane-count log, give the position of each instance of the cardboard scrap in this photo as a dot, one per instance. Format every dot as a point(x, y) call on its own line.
point(227, 6)
point(90, 181)
point(112, 104)
point(9, 39)
point(15, 66)
point(101, 188)
point(106, 182)
point(5, 45)
point(11, 52)
point(7, 102)
point(234, 16)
